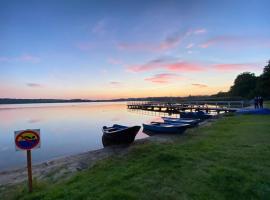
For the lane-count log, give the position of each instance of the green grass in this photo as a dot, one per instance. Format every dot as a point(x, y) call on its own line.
point(267, 104)
point(228, 160)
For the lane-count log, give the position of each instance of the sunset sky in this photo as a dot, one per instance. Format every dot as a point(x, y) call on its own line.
point(113, 49)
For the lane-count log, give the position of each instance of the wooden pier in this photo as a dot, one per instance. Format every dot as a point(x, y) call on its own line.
point(176, 108)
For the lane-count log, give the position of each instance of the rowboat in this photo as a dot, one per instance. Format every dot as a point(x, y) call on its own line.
point(195, 115)
point(161, 127)
point(190, 121)
point(118, 134)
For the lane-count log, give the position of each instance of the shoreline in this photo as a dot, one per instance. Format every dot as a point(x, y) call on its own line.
point(66, 166)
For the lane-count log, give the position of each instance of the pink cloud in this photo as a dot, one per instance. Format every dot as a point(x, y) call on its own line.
point(167, 65)
point(151, 65)
point(144, 67)
point(185, 67)
point(236, 41)
point(233, 67)
point(163, 78)
point(220, 40)
point(199, 85)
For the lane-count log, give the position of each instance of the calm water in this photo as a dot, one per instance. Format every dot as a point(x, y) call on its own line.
point(66, 129)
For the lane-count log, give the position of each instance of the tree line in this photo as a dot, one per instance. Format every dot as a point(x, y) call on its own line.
point(247, 85)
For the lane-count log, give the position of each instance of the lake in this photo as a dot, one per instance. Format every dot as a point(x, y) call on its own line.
point(66, 128)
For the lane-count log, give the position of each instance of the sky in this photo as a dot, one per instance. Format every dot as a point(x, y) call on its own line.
point(103, 49)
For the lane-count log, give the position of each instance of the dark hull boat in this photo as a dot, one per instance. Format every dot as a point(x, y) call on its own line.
point(195, 115)
point(160, 127)
point(118, 134)
point(192, 122)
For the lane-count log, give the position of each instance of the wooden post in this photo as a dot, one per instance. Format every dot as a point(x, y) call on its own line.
point(29, 168)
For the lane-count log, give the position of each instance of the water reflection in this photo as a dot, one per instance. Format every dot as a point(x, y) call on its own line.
point(65, 128)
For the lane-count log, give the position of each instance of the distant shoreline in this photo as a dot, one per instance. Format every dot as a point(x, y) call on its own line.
point(167, 99)
point(36, 101)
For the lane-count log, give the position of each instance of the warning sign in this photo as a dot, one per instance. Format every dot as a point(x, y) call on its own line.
point(27, 139)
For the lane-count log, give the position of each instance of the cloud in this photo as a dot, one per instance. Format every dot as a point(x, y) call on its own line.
point(163, 78)
point(115, 83)
point(185, 67)
point(29, 58)
point(233, 67)
point(22, 58)
point(85, 46)
point(220, 40)
point(170, 42)
point(199, 85)
point(35, 85)
point(236, 41)
point(200, 31)
point(136, 47)
point(114, 61)
point(150, 65)
point(104, 71)
point(170, 64)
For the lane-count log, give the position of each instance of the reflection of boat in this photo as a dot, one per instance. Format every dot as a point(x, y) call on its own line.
point(118, 134)
point(160, 127)
point(190, 121)
point(195, 115)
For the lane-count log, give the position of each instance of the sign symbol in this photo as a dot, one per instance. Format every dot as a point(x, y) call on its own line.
point(27, 139)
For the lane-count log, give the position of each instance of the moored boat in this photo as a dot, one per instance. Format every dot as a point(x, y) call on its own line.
point(190, 121)
point(195, 115)
point(160, 127)
point(118, 134)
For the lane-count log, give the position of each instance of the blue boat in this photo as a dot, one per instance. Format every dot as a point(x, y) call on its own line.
point(118, 134)
point(190, 121)
point(195, 115)
point(161, 127)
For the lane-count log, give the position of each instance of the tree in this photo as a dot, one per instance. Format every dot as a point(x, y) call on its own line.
point(244, 85)
point(263, 84)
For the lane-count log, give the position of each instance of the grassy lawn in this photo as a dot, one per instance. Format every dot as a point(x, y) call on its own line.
point(228, 160)
point(267, 104)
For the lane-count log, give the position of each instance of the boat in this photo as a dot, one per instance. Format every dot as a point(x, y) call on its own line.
point(195, 115)
point(190, 121)
point(118, 134)
point(162, 127)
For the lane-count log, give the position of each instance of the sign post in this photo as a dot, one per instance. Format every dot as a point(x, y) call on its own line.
point(29, 169)
point(28, 140)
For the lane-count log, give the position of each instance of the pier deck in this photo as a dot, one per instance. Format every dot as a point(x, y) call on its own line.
point(207, 106)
